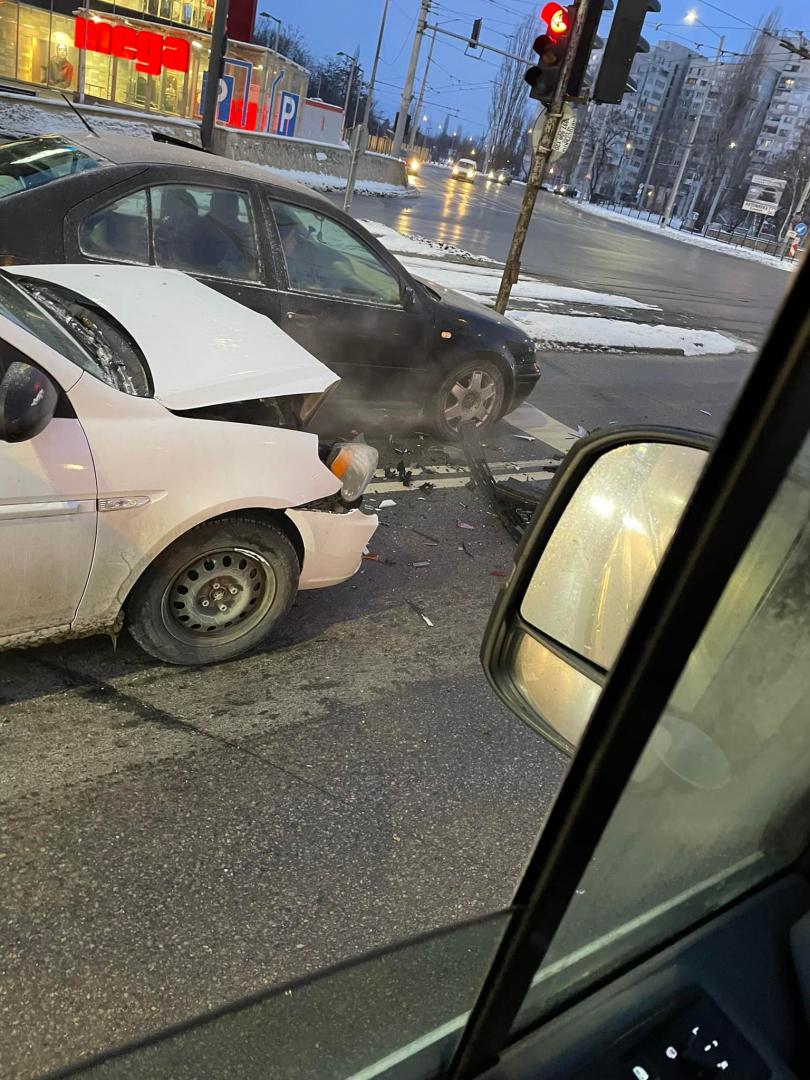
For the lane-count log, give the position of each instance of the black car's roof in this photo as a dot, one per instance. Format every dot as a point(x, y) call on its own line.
point(128, 150)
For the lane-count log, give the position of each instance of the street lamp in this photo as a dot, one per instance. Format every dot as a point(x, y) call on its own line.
point(353, 63)
point(267, 15)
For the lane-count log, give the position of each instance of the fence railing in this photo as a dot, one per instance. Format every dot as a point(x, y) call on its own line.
point(737, 237)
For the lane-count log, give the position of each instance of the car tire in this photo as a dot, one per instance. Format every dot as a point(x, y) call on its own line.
point(467, 386)
point(215, 593)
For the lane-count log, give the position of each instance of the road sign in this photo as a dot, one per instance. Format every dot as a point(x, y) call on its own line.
point(287, 113)
point(764, 195)
point(565, 132)
point(800, 229)
point(359, 139)
point(224, 97)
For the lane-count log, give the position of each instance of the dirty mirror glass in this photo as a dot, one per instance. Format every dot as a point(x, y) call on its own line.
point(599, 562)
point(594, 574)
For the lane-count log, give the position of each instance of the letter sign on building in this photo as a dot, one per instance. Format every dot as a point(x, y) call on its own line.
point(151, 52)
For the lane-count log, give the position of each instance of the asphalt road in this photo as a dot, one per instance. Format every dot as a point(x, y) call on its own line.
point(173, 839)
point(570, 246)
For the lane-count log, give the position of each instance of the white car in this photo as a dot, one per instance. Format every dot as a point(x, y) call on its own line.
point(465, 169)
point(154, 468)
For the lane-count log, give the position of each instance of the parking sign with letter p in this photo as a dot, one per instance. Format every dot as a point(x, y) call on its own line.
point(287, 113)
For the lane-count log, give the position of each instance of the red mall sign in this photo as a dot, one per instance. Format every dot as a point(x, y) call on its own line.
point(151, 52)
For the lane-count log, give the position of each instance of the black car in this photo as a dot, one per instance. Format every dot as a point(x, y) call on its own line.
point(277, 247)
point(500, 176)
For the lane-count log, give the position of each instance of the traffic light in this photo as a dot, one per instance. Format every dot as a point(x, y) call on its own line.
point(624, 41)
point(589, 42)
point(476, 33)
point(550, 48)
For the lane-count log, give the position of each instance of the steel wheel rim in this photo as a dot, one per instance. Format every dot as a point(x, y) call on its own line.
point(218, 597)
point(471, 397)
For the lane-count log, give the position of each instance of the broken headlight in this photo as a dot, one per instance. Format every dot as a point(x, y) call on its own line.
point(353, 463)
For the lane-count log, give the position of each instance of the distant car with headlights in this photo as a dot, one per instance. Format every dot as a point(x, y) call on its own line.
point(412, 164)
point(154, 467)
point(567, 190)
point(500, 176)
point(465, 169)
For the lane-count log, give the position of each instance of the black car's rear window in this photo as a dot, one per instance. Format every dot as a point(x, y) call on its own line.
point(32, 162)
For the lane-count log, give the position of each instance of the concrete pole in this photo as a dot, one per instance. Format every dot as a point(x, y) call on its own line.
point(676, 187)
point(418, 113)
point(367, 110)
point(721, 187)
point(407, 89)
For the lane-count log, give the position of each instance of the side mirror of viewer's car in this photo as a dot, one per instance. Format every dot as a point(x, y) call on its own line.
point(28, 400)
point(582, 571)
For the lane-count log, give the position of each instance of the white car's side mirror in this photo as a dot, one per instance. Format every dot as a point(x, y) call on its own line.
point(28, 400)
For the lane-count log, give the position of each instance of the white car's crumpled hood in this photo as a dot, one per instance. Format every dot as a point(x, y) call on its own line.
point(202, 348)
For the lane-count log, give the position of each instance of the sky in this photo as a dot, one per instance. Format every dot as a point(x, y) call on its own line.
point(461, 84)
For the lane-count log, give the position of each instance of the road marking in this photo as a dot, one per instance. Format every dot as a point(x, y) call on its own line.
point(461, 480)
point(544, 427)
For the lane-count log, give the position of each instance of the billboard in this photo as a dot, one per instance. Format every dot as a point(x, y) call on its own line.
point(764, 195)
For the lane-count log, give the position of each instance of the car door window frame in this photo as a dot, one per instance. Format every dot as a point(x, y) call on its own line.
point(764, 433)
point(280, 262)
point(80, 213)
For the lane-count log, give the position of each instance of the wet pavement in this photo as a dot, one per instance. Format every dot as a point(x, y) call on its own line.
point(172, 839)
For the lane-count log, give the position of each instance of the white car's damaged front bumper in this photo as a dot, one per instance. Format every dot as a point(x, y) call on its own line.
point(333, 544)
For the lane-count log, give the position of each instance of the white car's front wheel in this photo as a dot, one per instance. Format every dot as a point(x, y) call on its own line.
point(215, 592)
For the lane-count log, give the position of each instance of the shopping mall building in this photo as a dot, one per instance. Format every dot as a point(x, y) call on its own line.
point(149, 55)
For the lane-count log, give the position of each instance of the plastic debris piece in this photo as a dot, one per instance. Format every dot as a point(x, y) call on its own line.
point(391, 473)
point(464, 525)
point(581, 431)
point(497, 573)
point(705, 412)
point(404, 474)
point(365, 551)
point(466, 550)
point(402, 449)
point(526, 438)
point(425, 562)
point(372, 558)
point(419, 612)
point(427, 486)
point(385, 503)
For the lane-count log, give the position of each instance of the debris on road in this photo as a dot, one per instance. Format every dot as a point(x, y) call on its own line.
point(371, 558)
point(526, 438)
point(402, 449)
point(581, 431)
point(419, 612)
point(705, 412)
point(425, 562)
point(466, 550)
point(513, 501)
point(427, 486)
point(497, 573)
point(405, 475)
point(386, 503)
point(464, 525)
point(424, 535)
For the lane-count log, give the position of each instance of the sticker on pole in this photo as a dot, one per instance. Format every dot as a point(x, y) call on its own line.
point(565, 133)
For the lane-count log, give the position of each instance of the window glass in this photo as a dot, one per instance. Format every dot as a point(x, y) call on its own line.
point(118, 231)
point(31, 162)
point(718, 800)
point(205, 231)
point(21, 309)
point(323, 257)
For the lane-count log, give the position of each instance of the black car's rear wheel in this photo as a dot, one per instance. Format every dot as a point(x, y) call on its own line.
point(474, 391)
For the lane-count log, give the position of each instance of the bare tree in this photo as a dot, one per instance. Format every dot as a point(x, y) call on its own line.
point(614, 133)
point(727, 136)
point(794, 166)
point(508, 112)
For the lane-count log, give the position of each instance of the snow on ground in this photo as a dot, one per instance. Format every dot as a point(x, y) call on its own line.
point(324, 182)
point(559, 331)
point(477, 282)
point(691, 238)
point(549, 329)
point(401, 243)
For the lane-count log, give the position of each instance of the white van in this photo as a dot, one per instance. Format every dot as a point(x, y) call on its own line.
point(464, 169)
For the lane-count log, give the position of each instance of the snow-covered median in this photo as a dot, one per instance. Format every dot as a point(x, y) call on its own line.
point(692, 238)
point(325, 182)
point(404, 243)
point(584, 330)
point(553, 331)
point(483, 284)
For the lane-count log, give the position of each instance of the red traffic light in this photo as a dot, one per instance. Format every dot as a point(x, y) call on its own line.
point(557, 18)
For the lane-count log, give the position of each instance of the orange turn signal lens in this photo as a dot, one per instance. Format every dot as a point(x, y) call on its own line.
point(341, 463)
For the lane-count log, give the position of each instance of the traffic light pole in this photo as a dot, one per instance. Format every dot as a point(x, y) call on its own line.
point(540, 161)
point(216, 65)
point(410, 76)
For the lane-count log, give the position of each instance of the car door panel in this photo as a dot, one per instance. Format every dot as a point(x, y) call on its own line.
point(378, 348)
point(47, 527)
